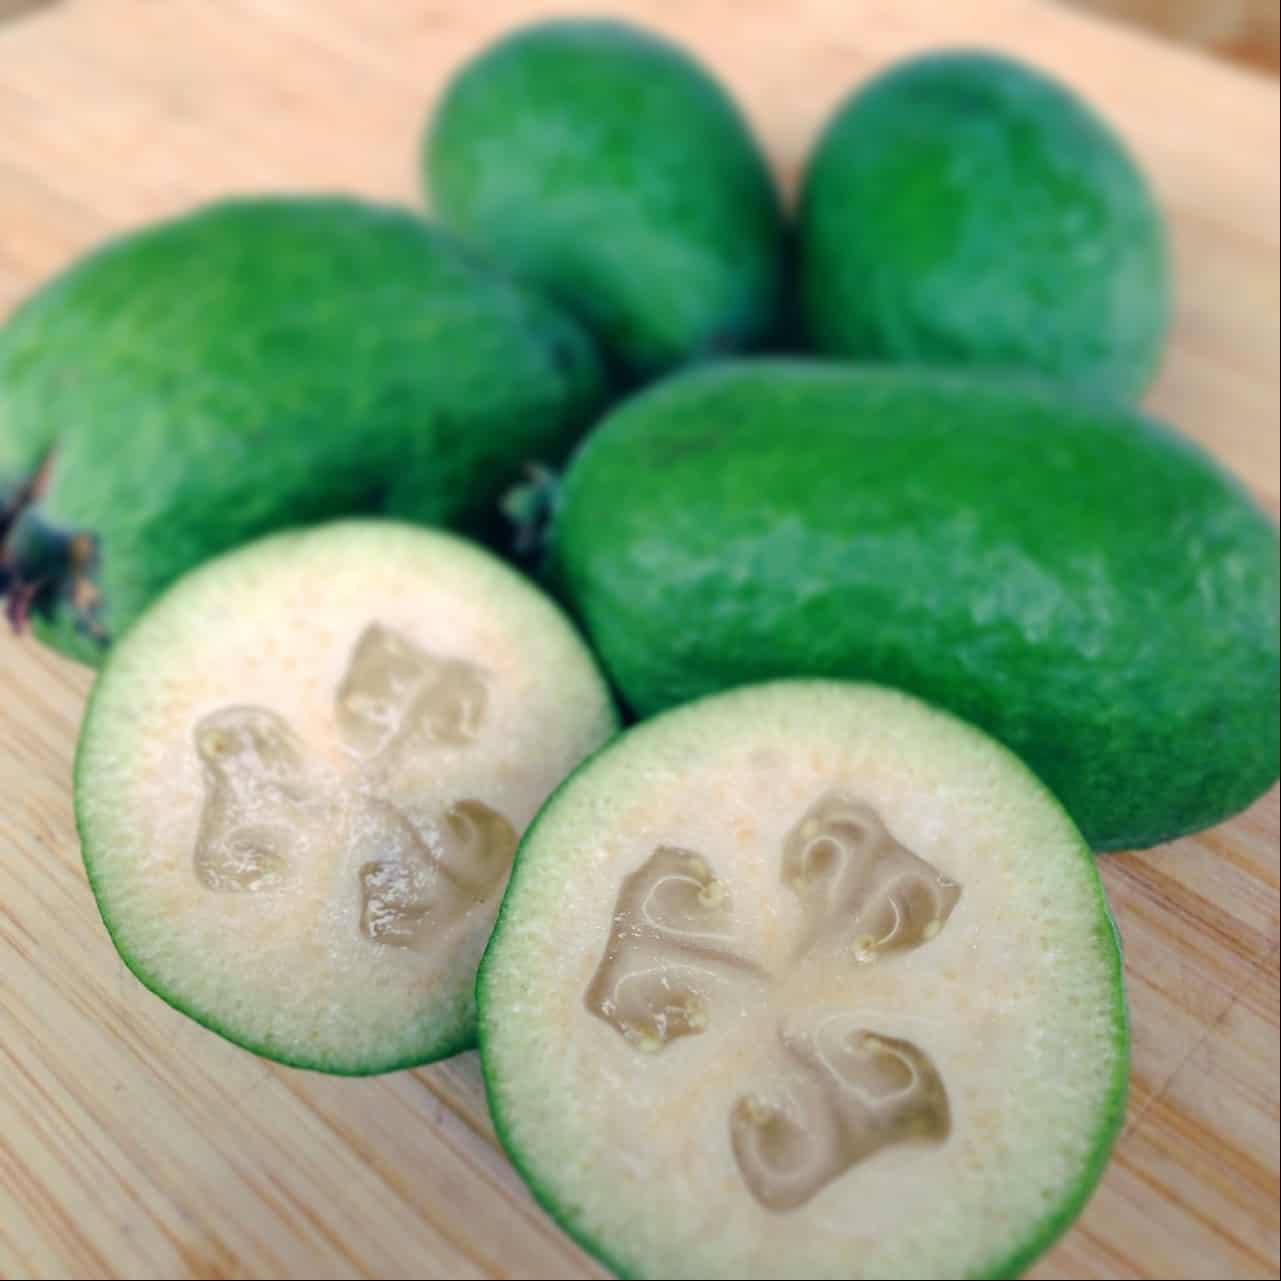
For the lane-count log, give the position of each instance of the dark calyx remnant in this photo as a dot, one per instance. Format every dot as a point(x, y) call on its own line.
point(41, 564)
point(529, 507)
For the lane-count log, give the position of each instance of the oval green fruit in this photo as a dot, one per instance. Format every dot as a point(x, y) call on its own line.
point(604, 163)
point(257, 364)
point(1079, 581)
point(963, 209)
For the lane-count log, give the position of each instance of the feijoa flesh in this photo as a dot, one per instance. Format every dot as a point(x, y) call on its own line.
point(807, 979)
point(302, 778)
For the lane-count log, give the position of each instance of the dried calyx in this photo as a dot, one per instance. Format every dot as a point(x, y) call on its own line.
point(42, 563)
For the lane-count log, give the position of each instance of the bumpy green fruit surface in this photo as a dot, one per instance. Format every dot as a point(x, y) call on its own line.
point(807, 979)
point(966, 210)
point(605, 164)
point(1079, 581)
point(258, 364)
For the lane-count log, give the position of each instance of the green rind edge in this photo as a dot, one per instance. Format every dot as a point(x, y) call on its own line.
point(1056, 1223)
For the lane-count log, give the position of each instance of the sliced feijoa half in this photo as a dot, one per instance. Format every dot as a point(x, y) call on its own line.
point(302, 778)
point(808, 979)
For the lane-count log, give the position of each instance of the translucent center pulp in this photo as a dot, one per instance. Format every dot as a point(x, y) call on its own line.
point(841, 1091)
point(269, 803)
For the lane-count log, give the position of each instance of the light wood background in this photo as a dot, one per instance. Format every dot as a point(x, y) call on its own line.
point(1247, 31)
point(135, 1144)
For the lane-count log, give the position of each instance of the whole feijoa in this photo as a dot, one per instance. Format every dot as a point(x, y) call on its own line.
point(965, 209)
point(257, 364)
point(604, 163)
point(1077, 580)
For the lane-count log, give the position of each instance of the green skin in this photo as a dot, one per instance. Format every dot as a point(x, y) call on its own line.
point(1079, 581)
point(1050, 1229)
point(965, 210)
point(607, 166)
point(260, 364)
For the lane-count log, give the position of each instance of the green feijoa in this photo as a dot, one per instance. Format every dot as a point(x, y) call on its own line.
point(964, 209)
point(603, 162)
point(256, 364)
point(1080, 581)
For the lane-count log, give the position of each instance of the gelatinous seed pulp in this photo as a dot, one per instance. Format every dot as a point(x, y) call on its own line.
point(841, 1092)
point(265, 802)
point(396, 696)
point(254, 784)
point(857, 881)
point(417, 887)
point(670, 939)
point(848, 1093)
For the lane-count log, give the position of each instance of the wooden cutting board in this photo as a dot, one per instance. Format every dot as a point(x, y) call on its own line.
point(135, 1144)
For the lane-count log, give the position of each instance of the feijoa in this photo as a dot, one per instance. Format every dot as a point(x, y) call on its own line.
point(807, 979)
point(302, 777)
point(966, 209)
point(603, 162)
point(1078, 580)
point(257, 364)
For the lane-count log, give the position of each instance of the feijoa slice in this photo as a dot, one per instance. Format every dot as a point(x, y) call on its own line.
point(302, 778)
point(808, 979)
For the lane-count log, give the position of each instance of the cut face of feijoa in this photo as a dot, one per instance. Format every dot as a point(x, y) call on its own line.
point(808, 979)
point(303, 776)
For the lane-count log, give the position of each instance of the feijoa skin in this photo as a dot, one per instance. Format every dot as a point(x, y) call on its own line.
point(1078, 580)
point(256, 364)
point(302, 777)
point(604, 163)
point(805, 980)
point(965, 209)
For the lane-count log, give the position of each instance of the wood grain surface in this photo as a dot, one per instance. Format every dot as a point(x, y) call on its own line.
point(1246, 31)
point(135, 1144)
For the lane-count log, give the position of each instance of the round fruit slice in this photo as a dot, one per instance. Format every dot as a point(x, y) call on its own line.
point(302, 777)
point(806, 980)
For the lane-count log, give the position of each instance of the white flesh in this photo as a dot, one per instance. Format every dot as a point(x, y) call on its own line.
point(643, 1145)
point(267, 773)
